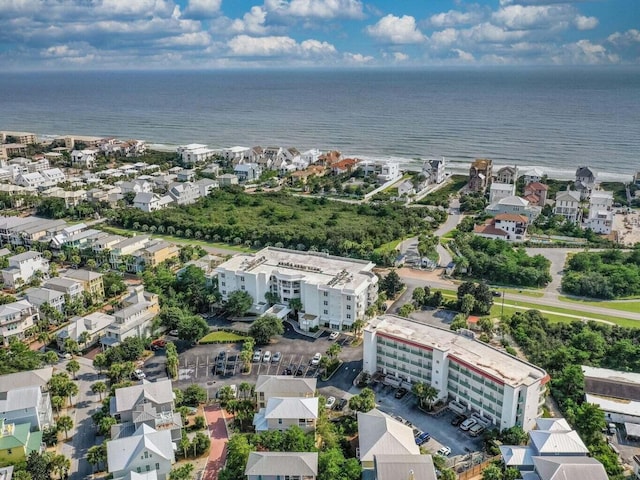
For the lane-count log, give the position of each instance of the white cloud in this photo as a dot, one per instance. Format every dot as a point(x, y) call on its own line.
point(586, 52)
point(274, 46)
point(357, 58)
point(448, 36)
point(464, 56)
point(519, 17)
point(194, 39)
point(252, 22)
point(325, 9)
point(453, 18)
point(400, 57)
point(201, 8)
point(487, 32)
point(626, 38)
point(396, 30)
point(585, 23)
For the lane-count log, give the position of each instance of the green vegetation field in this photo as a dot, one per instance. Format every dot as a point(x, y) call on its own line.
point(630, 306)
point(222, 337)
point(442, 195)
point(280, 219)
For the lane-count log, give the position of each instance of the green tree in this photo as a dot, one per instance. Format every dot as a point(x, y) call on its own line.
point(589, 422)
point(238, 303)
point(265, 327)
point(419, 296)
point(60, 465)
point(183, 472)
point(39, 465)
point(492, 472)
point(71, 346)
point(391, 284)
point(73, 366)
point(97, 455)
point(100, 362)
point(57, 402)
point(65, 423)
point(364, 401)
point(194, 395)
point(334, 350)
point(467, 302)
point(99, 388)
point(406, 310)
point(425, 394)
point(238, 449)
point(105, 424)
point(192, 327)
point(459, 321)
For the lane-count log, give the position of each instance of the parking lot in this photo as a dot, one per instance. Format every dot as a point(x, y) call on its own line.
point(201, 364)
point(439, 426)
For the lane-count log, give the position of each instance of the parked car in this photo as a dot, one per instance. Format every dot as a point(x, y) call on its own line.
point(334, 335)
point(266, 358)
point(341, 404)
point(316, 359)
point(612, 429)
point(287, 371)
point(476, 430)
point(422, 438)
point(496, 293)
point(65, 356)
point(139, 374)
point(234, 390)
point(467, 424)
point(257, 355)
point(276, 357)
point(444, 451)
point(330, 402)
point(300, 372)
point(401, 392)
point(458, 419)
point(173, 333)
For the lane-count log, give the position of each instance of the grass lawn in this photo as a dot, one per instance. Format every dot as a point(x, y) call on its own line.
point(633, 307)
point(524, 291)
point(174, 239)
point(222, 337)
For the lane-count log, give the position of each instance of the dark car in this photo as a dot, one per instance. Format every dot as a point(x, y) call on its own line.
point(401, 392)
point(496, 293)
point(422, 438)
point(458, 420)
point(341, 404)
point(299, 372)
point(287, 371)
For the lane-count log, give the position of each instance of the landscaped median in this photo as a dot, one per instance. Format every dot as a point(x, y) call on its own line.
point(222, 336)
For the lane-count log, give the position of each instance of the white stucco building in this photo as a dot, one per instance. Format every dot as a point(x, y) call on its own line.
point(498, 191)
point(334, 291)
point(476, 377)
point(195, 153)
point(23, 267)
point(600, 217)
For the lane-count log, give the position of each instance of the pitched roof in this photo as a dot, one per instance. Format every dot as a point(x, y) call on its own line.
point(30, 378)
point(489, 229)
point(553, 424)
point(557, 443)
point(516, 455)
point(570, 195)
point(303, 464)
point(157, 392)
point(82, 274)
point(122, 451)
point(569, 468)
point(285, 384)
point(536, 186)
point(381, 434)
point(513, 200)
point(14, 436)
point(20, 398)
point(291, 407)
point(404, 467)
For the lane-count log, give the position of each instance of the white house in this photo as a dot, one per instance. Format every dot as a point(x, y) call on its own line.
point(269, 386)
point(406, 188)
point(236, 154)
point(24, 398)
point(281, 413)
point(504, 226)
point(40, 296)
point(514, 204)
point(282, 465)
point(195, 153)
point(206, 186)
point(126, 248)
point(65, 285)
point(498, 191)
point(184, 193)
point(135, 318)
point(600, 217)
point(434, 170)
point(533, 175)
point(247, 172)
point(84, 158)
point(136, 186)
point(389, 171)
point(32, 180)
point(95, 325)
point(23, 267)
point(150, 202)
point(507, 175)
point(501, 389)
point(334, 291)
point(54, 175)
point(186, 175)
point(15, 319)
point(568, 205)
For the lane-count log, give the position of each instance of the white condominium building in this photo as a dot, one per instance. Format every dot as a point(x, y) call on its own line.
point(334, 291)
point(500, 388)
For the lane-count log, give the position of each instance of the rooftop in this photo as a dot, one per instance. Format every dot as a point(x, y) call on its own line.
point(29, 378)
point(404, 467)
point(292, 407)
point(499, 365)
point(380, 434)
point(284, 383)
point(82, 275)
point(271, 464)
point(569, 468)
point(611, 383)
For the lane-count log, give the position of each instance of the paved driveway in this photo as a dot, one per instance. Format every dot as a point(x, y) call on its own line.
point(219, 439)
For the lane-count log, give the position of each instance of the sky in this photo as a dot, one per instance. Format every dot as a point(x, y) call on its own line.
point(218, 34)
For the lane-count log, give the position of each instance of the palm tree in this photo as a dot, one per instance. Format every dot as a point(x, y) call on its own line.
point(57, 402)
point(60, 465)
point(66, 424)
point(97, 455)
point(425, 394)
point(358, 325)
point(84, 338)
point(71, 391)
point(99, 388)
point(72, 367)
point(244, 388)
point(334, 350)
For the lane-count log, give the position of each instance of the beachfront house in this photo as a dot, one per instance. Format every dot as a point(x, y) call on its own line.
point(568, 205)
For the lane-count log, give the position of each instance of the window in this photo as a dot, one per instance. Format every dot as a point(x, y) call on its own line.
point(279, 421)
point(242, 287)
point(146, 454)
point(139, 470)
point(157, 466)
point(224, 284)
point(148, 468)
point(326, 294)
point(348, 316)
point(326, 303)
point(348, 297)
point(242, 279)
point(348, 307)
point(326, 312)
point(9, 451)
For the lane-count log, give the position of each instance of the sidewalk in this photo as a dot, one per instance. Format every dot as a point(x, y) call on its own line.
point(219, 437)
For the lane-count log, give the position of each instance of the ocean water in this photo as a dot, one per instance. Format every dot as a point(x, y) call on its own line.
point(551, 117)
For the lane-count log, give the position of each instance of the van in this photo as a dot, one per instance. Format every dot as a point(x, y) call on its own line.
point(476, 430)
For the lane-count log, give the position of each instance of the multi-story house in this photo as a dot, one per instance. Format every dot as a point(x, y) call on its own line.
point(281, 413)
point(504, 226)
point(194, 153)
point(136, 186)
point(474, 377)
point(480, 174)
point(149, 403)
point(107, 243)
point(35, 230)
point(533, 175)
point(135, 318)
point(514, 205)
point(16, 318)
point(600, 217)
point(389, 171)
point(23, 268)
point(95, 325)
point(585, 181)
point(435, 170)
point(67, 286)
point(568, 205)
point(40, 296)
point(507, 175)
point(84, 158)
point(498, 191)
point(247, 172)
point(19, 137)
point(186, 175)
point(91, 282)
point(184, 193)
point(236, 155)
point(269, 386)
point(157, 252)
point(206, 186)
point(122, 251)
point(282, 465)
point(24, 398)
point(334, 291)
point(53, 175)
point(536, 193)
point(227, 179)
point(17, 441)
point(394, 467)
point(151, 202)
point(32, 180)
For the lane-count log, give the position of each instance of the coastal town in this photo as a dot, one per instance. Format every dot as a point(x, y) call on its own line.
point(266, 313)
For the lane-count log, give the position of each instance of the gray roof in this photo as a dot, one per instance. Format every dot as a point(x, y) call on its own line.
point(569, 468)
point(82, 274)
point(121, 452)
point(158, 392)
point(516, 455)
point(61, 282)
point(38, 296)
point(292, 407)
point(557, 443)
point(380, 434)
point(553, 424)
point(286, 384)
point(282, 463)
point(31, 378)
point(404, 467)
point(19, 399)
point(25, 256)
point(144, 197)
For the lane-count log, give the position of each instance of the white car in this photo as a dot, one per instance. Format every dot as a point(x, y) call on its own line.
point(316, 359)
point(139, 374)
point(266, 358)
point(334, 335)
point(467, 424)
point(257, 355)
point(330, 402)
point(444, 451)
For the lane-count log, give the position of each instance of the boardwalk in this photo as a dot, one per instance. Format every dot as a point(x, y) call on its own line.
point(219, 437)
